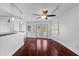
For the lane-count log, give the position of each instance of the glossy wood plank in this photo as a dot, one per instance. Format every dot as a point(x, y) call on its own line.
point(43, 47)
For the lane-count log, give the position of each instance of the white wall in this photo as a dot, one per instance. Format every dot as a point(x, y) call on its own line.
point(22, 26)
point(4, 27)
point(16, 24)
point(69, 29)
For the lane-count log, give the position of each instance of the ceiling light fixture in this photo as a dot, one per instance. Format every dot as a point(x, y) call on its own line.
point(43, 17)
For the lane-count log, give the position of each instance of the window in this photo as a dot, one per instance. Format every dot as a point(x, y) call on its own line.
point(55, 28)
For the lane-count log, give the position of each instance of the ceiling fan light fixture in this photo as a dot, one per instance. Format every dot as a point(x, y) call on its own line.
point(43, 17)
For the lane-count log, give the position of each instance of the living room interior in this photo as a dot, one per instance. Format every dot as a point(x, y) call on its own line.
point(39, 29)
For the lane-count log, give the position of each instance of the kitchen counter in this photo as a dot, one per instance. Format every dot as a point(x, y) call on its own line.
point(7, 33)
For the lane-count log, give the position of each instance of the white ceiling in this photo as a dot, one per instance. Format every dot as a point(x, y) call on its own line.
point(28, 9)
point(4, 13)
point(31, 8)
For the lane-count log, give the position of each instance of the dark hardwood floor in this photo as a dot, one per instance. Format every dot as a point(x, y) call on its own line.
point(43, 47)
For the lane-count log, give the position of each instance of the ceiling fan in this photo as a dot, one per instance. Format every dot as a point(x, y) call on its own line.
point(44, 13)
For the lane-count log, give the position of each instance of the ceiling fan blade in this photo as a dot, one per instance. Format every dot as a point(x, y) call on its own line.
point(55, 9)
point(36, 14)
point(51, 15)
point(38, 18)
